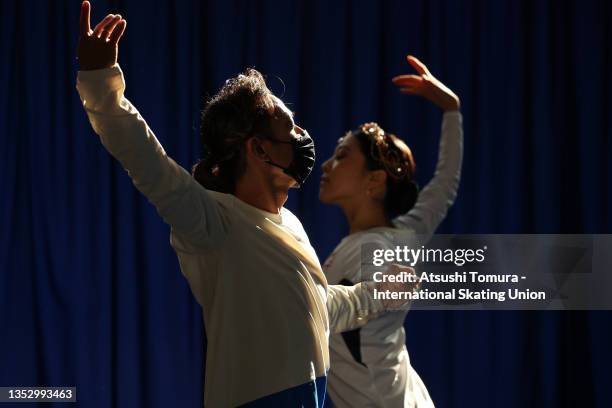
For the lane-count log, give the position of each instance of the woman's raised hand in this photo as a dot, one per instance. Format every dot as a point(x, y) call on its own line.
point(427, 85)
point(98, 48)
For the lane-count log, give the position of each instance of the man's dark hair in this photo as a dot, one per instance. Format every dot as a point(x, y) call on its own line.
point(242, 108)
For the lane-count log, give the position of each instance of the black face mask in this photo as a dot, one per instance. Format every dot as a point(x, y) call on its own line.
point(303, 158)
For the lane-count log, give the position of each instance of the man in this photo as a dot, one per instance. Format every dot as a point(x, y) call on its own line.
point(266, 304)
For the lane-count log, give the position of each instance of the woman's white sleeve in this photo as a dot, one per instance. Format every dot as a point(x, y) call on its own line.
point(350, 307)
point(179, 199)
point(439, 194)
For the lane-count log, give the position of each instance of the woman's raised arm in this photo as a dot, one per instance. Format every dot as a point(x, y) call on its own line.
point(439, 194)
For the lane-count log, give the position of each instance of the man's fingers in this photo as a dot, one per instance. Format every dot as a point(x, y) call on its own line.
point(417, 65)
point(98, 30)
point(84, 19)
point(118, 32)
point(108, 30)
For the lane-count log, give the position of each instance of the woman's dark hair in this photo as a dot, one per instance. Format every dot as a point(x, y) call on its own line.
point(385, 151)
point(242, 108)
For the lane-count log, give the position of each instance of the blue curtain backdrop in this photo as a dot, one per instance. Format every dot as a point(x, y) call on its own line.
point(90, 291)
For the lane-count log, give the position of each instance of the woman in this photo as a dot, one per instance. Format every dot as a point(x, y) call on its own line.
point(267, 307)
point(370, 176)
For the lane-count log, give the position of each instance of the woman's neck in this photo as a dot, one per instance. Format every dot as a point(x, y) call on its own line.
point(365, 215)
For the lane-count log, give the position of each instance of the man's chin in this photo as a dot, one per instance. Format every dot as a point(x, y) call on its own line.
point(284, 182)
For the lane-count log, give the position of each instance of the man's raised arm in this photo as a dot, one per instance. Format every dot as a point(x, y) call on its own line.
point(180, 200)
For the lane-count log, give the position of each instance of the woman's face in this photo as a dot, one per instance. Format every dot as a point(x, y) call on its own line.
point(344, 174)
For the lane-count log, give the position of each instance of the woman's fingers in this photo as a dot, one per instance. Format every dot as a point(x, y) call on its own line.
point(118, 32)
point(407, 79)
point(409, 84)
point(409, 90)
point(84, 19)
point(97, 32)
point(417, 65)
point(108, 30)
point(402, 77)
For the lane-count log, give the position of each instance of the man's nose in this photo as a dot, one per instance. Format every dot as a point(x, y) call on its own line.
point(298, 130)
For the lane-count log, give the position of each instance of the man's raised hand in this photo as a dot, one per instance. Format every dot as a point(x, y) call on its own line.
point(98, 48)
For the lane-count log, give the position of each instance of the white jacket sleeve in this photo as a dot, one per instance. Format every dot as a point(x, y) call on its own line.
point(440, 193)
point(179, 199)
point(350, 307)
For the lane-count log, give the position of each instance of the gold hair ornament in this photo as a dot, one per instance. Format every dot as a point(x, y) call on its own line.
point(385, 151)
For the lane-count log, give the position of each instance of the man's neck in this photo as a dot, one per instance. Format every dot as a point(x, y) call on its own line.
point(261, 196)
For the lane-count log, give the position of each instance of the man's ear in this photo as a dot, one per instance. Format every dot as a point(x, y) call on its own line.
point(254, 149)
